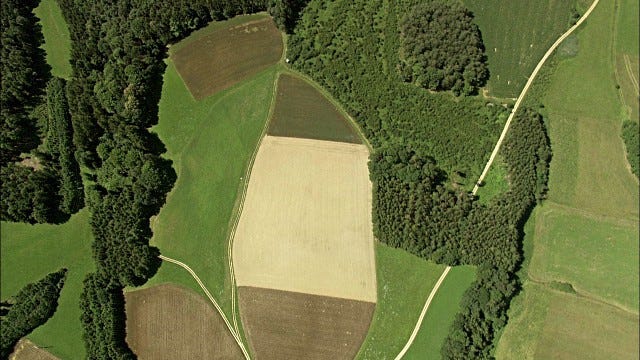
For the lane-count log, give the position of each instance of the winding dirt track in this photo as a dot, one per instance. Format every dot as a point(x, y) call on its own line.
point(213, 301)
point(491, 158)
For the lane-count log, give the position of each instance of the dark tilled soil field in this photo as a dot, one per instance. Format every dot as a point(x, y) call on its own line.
point(302, 111)
point(169, 322)
point(288, 325)
point(228, 55)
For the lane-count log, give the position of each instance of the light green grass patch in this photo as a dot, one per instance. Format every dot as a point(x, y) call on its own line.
point(442, 311)
point(589, 169)
point(211, 143)
point(495, 183)
point(57, 41)
point(628, 36)
point(404, 283)
point(30, 252)
point(516, 34)
point(597, 256)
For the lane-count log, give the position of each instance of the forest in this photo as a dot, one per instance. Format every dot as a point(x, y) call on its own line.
point(31, 307)
point(429, 147)
point(632, 144)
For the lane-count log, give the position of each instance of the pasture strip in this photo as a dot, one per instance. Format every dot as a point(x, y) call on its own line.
point(213, 301)
point(243, 194)
point(495, 152)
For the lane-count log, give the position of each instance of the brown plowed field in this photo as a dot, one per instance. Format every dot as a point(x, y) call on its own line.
point(287, 325)
point(302, 111)
point(226, 56)
point(306, 221)
point(169, 322)
point(26, 350)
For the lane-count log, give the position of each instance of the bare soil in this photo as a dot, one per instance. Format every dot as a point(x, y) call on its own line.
point(227, 56)
point(26, 350)
point(169, 322)
point(287, 325)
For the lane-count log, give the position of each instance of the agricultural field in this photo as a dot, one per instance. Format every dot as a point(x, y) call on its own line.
point(587, 252)
point(170, 322)
point(29, 252)
point(516, 34)
point(581, 267)
point(292, 325)
point(306, 221)
point(210, 143)
point(302, 111)
point(215, 59)
point(627, 59)
point(57, 41)
point(26, 350)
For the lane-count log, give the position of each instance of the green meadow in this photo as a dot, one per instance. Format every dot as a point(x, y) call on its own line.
point(516, 34)
point(29, 253)
point(57, 41)
point(404, 283)
point(580, 295)
point(210, 143)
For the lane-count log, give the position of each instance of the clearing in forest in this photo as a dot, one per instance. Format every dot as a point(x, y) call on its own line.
point(306, 221)
point(218, 57)
point(169, 322)
point(302, 111)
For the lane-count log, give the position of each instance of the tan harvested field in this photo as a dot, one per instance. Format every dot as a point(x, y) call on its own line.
point(228, 55)
point(287, 325)
point(306, 221)
point(26, 350)
point(169, 322)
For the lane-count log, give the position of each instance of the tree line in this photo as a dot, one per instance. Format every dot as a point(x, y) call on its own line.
point(31, 307)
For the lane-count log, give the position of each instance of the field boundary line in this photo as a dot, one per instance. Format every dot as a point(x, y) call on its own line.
point(243, 193)
point(492, 157)
point(213, 301)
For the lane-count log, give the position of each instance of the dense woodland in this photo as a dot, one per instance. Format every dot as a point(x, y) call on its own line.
point(441, 48)
point(35, 128)
point(428, 147)
point(31, 307)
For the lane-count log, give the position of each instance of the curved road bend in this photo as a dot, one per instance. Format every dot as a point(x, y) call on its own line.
point(491, 158)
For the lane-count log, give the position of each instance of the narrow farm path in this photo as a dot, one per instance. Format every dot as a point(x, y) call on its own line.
point(213, 301)
point(491, 158)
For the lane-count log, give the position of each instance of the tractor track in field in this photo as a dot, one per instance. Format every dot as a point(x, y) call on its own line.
point(490, 161)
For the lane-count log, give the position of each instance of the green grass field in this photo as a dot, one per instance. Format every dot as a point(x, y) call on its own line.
point(211, 143)
point(302, 111)
point(549, 324)
point(516, 34)
point(29, 252)
point(404, 283)
point(444, 306)
point(597, 256)
point(57, 41)
point(586, 234)
point(495, 183)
